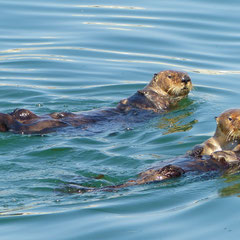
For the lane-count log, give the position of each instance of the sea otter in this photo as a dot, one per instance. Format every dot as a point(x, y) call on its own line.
point(219, 153)
point(164, 91)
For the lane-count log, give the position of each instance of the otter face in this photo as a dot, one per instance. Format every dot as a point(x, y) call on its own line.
point(174, 83)
point(229, 123)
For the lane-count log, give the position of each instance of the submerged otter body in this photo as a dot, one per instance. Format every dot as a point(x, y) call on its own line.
point(179, 167)
point(219, 153)
point(164, 91)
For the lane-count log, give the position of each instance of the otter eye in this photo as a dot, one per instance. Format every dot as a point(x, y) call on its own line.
point(169, 76)
point(230, 119)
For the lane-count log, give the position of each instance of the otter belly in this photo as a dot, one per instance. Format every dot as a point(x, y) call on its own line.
point(230, 145)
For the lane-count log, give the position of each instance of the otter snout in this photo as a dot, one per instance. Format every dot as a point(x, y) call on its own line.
point(236, 124)
point(186, 79)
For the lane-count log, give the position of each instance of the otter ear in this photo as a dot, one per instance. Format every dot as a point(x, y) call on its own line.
point(155, 77)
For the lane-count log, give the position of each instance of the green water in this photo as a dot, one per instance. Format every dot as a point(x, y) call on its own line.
point(81, 55)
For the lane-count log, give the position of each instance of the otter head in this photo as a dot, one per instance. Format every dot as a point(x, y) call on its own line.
point(229, 124)
point(172, 83)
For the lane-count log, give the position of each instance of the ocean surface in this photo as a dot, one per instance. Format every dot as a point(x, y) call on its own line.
point(72, 55)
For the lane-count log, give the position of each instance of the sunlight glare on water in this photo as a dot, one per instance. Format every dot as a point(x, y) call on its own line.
point(83, 55)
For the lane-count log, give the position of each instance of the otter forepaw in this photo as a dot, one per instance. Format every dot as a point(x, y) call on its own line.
point(227, 156)
point(196, 151)
point(171, 171)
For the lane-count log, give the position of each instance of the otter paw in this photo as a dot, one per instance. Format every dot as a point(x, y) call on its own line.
point(171, 171)
point(196, 151)
point(225, 156)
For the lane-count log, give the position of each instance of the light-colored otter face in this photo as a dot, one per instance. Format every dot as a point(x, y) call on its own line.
point(229, 124)
point(172, 83)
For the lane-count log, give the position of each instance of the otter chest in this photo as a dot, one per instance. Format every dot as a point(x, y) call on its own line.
point(230, 145)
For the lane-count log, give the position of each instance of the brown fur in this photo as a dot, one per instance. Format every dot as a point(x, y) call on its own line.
point(219, 153)
point(227, 134)
point(165, 90)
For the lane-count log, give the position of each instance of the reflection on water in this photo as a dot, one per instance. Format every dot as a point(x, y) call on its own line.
point(119, 24)
point(39, 43)
point(53, 57)
point(36, 56)
point(230, 190)
point(176, 124)
point(80, 55)
point(137, 17)
point(111, 7)
point(233, 188)
point(26, 86)
point(215, 72)
point(93, 50)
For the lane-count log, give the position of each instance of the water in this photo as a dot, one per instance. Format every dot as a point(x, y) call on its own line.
point(80, 55)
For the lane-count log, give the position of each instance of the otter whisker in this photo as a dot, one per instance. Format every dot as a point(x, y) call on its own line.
point(235, 136)
point(232, 135)
point(192, 88)
point(175, 90)
point(170, 89)
point(229, 135)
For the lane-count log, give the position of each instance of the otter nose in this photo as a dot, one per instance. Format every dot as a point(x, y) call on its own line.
point(186, 79)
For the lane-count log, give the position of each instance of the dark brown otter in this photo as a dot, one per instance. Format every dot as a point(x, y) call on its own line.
point(164, 91)
point(219, 153)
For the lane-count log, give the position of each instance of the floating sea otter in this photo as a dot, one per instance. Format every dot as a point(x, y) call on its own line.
point(219, 153)
point(165, 90)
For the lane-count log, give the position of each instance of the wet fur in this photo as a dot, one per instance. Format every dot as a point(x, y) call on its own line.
point(164, 91)
point(219, 153)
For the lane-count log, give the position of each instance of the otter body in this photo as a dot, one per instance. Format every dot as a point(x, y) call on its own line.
point(179, 167)
point(164, 91)
point(219, 153)
point(226, 137)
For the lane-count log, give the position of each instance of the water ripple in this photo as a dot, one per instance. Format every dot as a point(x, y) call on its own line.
point(77, 56)
point(110, 7)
